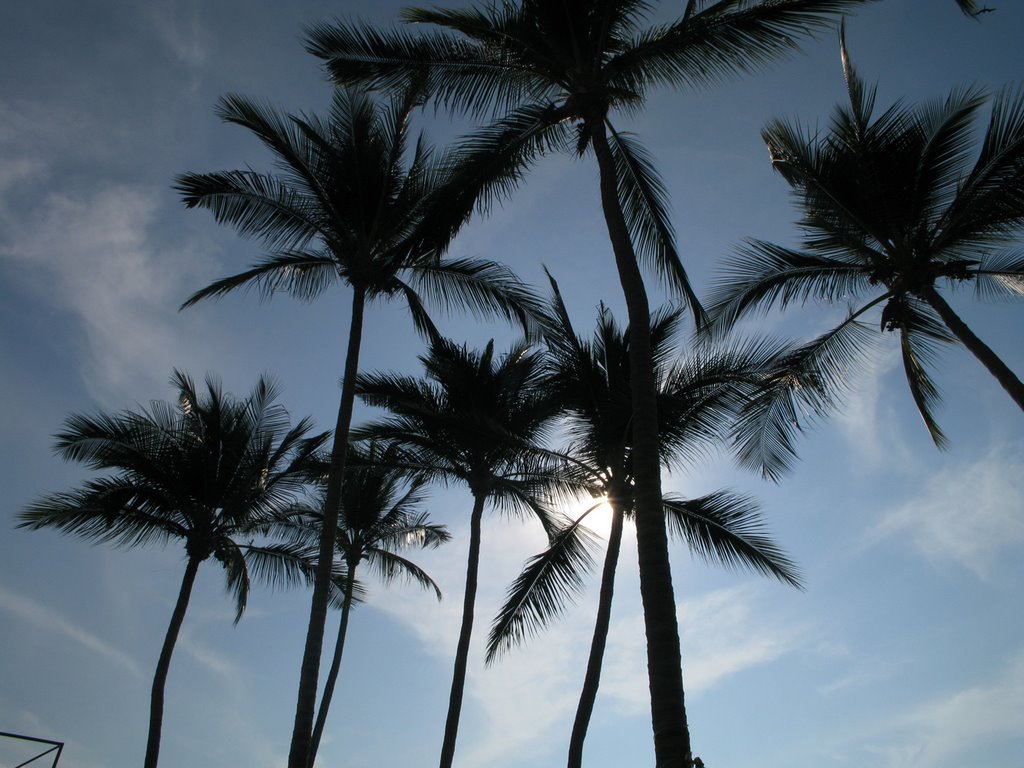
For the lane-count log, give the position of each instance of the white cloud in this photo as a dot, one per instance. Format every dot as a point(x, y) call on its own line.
point(723, 633)
point(218, 663)
point(968, 513)
point(181, 31)
point(89, 254)
point(943, 732)
point(49, 620)
point(867, 419)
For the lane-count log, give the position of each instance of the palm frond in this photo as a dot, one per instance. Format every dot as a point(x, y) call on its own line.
point(302, 274)
point(762, 274)
point(643, 198)
point(727, 529)
point(485, 287)
point(390, 565)
point(540, 592)
point(716, 41)
point(255, 204)
point(807, 384)
point(1000, 275)
point(236, 575)
point(920, 337)
point(104, 510)
point(461, 72)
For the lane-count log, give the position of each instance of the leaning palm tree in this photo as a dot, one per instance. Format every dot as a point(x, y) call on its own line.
point(350, 203)
point(699, 401)
point(379, 517)
point(894, 209)
point(475, 420)
point(555, 71)
point(212, 473)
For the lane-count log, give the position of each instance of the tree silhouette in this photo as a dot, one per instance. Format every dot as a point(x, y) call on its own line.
point(474, 420)
point(700, 399)
point(213, 472)
point(348, 204)
point(379, 517)
point(555, 72)
point(893, 210)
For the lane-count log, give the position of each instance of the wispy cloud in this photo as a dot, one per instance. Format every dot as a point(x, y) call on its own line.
point(942, 732)
point(723, 633)
point(867, 419)
point(180, 29)
point(968, 513)
point(218, 663)
point(89, 254)
point(47, 619)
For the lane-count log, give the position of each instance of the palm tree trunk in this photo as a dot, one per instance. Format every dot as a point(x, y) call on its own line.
point(309, 673)
point(664, 660)
point(451, 726)
point(604, 614)
point(156, 700)
point(332, 675)
point(1007, 378)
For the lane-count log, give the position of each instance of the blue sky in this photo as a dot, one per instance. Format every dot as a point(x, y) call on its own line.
point(906, 649)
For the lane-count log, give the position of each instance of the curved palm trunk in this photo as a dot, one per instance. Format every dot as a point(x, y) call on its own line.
point(298, 755)
point(664, 660)
point(1007, 378)
point(332, 675)
point(156, 700)
point(604, 614)
point(451, 726)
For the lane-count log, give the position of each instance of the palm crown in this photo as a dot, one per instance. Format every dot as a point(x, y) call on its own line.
point(349, 203)
point(894, 209)
point(476, 420)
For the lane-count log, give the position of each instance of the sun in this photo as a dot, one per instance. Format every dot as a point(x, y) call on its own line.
point(599, 518)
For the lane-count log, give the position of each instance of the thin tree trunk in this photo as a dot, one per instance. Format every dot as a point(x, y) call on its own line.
point(156, 700)
point(451, 726)
point(309, 673)
point(664, 660)
point(604, 614)
point(332, 675)
point(1007, 378)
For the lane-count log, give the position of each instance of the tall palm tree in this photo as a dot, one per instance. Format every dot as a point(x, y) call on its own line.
point(894, 208)
point(211, 473)
point(350, 203)
point(699, 400)
point(475, 420)
point(379, 517)
point(555, 71)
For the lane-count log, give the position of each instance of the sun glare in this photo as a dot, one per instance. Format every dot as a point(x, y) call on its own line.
point(599, 519)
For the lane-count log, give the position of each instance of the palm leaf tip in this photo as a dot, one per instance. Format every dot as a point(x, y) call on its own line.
point(728, 529)
point(540, 594)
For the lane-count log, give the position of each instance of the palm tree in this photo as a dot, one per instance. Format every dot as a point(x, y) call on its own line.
point(379, 516)
point(698, 402)
point(894, 209)
point(210, 473)
point(347, 205)
point(555, 72)
point(475, 420)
